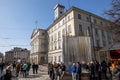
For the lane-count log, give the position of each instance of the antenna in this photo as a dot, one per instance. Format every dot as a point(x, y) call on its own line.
point(36, 24)
point(58, 1)
point(68, 3)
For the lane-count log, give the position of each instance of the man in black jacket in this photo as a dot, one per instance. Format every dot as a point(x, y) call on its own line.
point(79, 70)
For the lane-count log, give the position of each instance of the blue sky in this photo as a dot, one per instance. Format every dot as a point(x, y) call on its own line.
point(17, 18)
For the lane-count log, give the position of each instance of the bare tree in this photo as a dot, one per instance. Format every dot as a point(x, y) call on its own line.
point(114, 12)
point(114, 16)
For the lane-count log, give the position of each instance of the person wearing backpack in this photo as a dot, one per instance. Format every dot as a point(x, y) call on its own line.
point(24, 67)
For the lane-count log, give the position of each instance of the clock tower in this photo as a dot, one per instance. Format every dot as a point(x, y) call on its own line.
point(58, 11)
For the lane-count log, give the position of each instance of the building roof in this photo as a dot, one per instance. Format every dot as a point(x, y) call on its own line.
point(71, 9)
point(59, 5)
point(16, 49)
point(35, 31)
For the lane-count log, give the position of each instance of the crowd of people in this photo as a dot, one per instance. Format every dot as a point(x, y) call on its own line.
point(57, 71)
point(95, 70)
point(13, 70)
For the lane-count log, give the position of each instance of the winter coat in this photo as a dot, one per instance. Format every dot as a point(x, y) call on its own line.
point(24, 67)
point(73, 69)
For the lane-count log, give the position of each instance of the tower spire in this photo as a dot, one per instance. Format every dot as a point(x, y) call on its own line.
point(36, 24)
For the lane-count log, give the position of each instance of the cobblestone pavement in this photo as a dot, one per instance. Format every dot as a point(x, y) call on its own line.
point(42, 75)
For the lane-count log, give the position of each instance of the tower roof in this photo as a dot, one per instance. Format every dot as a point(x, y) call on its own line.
point(59, 6)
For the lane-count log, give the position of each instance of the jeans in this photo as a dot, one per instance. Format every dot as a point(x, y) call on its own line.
point(24, 73)
point(62, 74)
point(57, 77)
point(73, 76)
point(51, 75)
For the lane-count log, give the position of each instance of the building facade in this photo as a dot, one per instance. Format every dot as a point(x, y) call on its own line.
point(39, 47)
point(1, 57)
point(76, 22)
point(17, 54)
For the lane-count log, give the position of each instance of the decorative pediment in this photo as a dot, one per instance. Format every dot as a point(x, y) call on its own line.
point(34, 32)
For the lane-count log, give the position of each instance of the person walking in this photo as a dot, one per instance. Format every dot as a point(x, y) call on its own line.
point(97, 70)
point(18, 68)
point(73, 71)
point(116, 73)
point(104, 69)
point(36, 68)
point(2, 66)
point(92, 70)
point(21, 70)
point(109, 70)
point(56, 71)
point(63, 68)
point(28, 69)
point(79, 70)
point(8, 75)
point(51, 71)
point(25, 66)
point(14, 65)
point(33, 68)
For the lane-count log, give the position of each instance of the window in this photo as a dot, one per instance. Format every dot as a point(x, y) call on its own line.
point(101, 23)
point(59, 44)
point(52, 29)
point(80, 27)
point(79, 16)
point(98, 41)
point(55, 45)
point(61, 12)
point(95, 21)
point(49, 58)
point(58, 25)
point(43, 34)
point(59, 34)
point(51, 38)
point(104, 43)
point(87, 19)
point(55, 58)
point(59, 58)
point(63, 22)
point(103, 34)
point(96, 31)
point(55, 28)
point(63, 32)
point(69, 28)
point(55, 36)
point(68, 18)
point(89, 30)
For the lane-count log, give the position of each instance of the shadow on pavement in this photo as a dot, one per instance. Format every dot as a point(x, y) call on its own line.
point(33, 76)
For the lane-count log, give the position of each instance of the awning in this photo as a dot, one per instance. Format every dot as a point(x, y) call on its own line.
point(114, 46)
point(115, 54)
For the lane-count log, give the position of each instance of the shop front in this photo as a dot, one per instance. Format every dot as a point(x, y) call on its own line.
point(113, 54)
